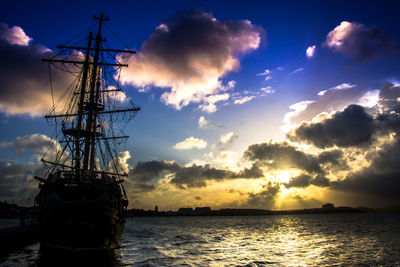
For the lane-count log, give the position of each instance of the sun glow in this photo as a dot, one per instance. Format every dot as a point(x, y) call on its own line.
point(283, 176)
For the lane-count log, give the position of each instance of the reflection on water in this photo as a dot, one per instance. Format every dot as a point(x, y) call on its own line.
point(81, 258)
point(33, 256)
point(317, 239)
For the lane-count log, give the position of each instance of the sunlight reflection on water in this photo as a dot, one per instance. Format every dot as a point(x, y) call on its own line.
point(287, 240)
point(301, 240)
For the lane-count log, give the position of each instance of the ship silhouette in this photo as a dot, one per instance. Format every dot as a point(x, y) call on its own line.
point(82, 200)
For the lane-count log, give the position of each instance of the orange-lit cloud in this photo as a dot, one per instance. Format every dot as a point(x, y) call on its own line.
point(190, 143)
point(189, 54)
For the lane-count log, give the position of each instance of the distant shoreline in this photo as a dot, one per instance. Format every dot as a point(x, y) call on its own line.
point(254, 212)
point(14, 211)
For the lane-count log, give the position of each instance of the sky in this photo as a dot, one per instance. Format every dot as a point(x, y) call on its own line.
point(244, 104)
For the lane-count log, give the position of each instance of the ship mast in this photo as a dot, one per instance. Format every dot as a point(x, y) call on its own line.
point(85, 129)
point(92, 105)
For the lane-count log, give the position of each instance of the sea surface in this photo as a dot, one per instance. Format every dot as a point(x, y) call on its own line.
point(361, 239)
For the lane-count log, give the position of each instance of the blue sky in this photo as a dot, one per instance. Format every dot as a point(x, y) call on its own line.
point(274, 74)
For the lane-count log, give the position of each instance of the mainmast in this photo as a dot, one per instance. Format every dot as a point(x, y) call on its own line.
point(84, 132)
point(93, 105)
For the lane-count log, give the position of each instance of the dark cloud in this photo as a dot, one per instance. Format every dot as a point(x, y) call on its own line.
point(17, 183)
point(371, 183)
point(331, 156)
point(24, 78)
point(388, 122)
point(305, 180)
point(381, 179)
point(281, 156)
point(265, 199)
point(354, 126)
point(299, 181)
point(196, 176)
point(183, 177)
point(351, 127)
point(320, 181)
point(329, 100)
point(190, 52)
point(146, 173)
point(360, 42)
point(388, 98)
point(253, 172)
point(150, 170)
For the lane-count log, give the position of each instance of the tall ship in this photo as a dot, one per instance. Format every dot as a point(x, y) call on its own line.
point(82, 199)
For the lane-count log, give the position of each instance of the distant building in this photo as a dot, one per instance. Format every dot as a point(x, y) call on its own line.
point(202, 210)
point(156, 209)
point(185, 211)
point(328, 206)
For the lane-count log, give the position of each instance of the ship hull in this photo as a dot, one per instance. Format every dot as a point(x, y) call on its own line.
point(87, 215)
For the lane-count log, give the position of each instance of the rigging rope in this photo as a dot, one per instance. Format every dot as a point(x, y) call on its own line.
point(51, 86)
point(116, 36)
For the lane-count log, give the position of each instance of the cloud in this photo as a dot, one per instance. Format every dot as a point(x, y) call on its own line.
point(330, 100)
point(369, 99)
point(344, 165)
point(145, 173)
point(226, 140)
point(299, 181)
point(310, 52)
point(267, 73)
point(268, 90)
point(246, 95)
point(120, 164)
point(14, 35)
point(282, 156)
point(359, 42)
point(305, 180)
point(191, 52)
point(243, 100)
point(352, 127)
point(24, 79)
point(295, 71)
point(183, 177)
point(342, 86)
point(198, 175)
point(334, 157)
point(264, 199)
point(40, 144)
point(380, 179)
point(190, 143)
point(210, 101)
point(224, 159)
point(207, 124)
point(389, 96)
point(17, 183)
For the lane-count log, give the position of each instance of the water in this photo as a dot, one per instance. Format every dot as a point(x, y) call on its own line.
point(302, 240)
point(11, 222)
